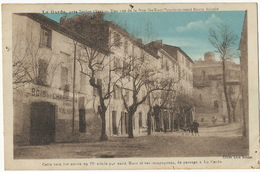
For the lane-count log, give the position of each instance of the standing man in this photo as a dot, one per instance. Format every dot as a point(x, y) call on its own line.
point(196, 127)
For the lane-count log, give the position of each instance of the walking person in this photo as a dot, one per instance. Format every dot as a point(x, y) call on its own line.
point(196, 127)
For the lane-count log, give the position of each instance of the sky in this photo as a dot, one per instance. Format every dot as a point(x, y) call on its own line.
point(187, 30)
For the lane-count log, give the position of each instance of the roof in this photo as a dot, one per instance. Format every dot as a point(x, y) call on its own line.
point(132, 39)
point(62, 30)
point(173, 50)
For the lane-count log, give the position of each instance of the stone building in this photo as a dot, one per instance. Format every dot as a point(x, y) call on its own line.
point(176, 65)
point(185, 68)
point(243, 47)
point(125, 54)
point(208, 86)
point(52, 100)
point(52, 94)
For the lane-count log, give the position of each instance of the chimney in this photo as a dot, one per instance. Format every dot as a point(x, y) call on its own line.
point(139, 40)
point(158, 43)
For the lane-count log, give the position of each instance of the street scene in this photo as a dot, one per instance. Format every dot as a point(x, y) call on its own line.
point(138, 84)
point(215, 141)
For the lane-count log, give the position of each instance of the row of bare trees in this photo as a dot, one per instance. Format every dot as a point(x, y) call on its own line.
point(137, 73)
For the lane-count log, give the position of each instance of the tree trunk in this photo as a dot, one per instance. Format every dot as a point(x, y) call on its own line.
point(130, 125)
point(178, 122)
point(225, 90)
point(164, 122)
point(103, 136)
point(185, 122)
point(149, 123)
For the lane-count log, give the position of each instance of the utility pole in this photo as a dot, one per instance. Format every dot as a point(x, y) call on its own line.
point(73, 91)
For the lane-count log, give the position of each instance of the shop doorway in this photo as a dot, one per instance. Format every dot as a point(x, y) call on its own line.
point(82, 120)
point(42, 129)
point(126, 123)
point(114, 123)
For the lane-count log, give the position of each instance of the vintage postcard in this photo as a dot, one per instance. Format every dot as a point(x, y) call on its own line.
point(130, 86)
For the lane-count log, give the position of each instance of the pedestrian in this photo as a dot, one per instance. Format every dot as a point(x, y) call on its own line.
point(214, 120)
point(196, 127)
point(224, 119)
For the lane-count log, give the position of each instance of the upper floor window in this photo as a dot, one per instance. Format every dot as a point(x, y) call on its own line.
point(127, 95)
point(126, 46)
point(167, 67)
point(83, 82)
point(42, 72)
point(99, 83)
point(187, 64)
point(64, 78)
point(46, 37)
point(117, 92)
point(162, 62)
point(117, 39)
point(204, 74)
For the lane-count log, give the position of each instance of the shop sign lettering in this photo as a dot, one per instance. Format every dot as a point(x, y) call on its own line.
point(55, 96)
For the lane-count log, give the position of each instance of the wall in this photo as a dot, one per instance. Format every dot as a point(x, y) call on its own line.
point(61, 54)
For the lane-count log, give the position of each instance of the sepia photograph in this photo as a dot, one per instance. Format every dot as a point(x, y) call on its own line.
point(131, 82)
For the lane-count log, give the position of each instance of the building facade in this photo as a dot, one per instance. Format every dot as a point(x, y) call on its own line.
point(176, 66)
point(208, 86)
point(51, 97)
point(55, 68)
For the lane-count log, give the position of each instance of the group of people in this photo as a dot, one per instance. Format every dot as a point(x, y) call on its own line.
point(192, 128)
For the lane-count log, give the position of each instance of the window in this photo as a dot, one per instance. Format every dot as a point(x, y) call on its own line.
point(126, 68)
point(82, 121)
point(126, 46)
point(114, 123)
point(143, 94)
point(142, 56)
point(117, 93)
point(46, 37)
point(64, 79)
point(162, 65)
point(117, 38)
point(140, 119)
point(42, 72)
point(215, 104)
point(98, 82)
point(204, 74)
point(231, 90)
point(147, 100)
point(117, 65)
point(167, 67)
point(126, 95)
point(83, 82)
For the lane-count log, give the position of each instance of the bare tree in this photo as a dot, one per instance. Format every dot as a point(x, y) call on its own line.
point(233, 97)
point(184, 103)
point(159, 98)
point(223, 39)
point(95, 60)
point(32, 63)
point(141, 72)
